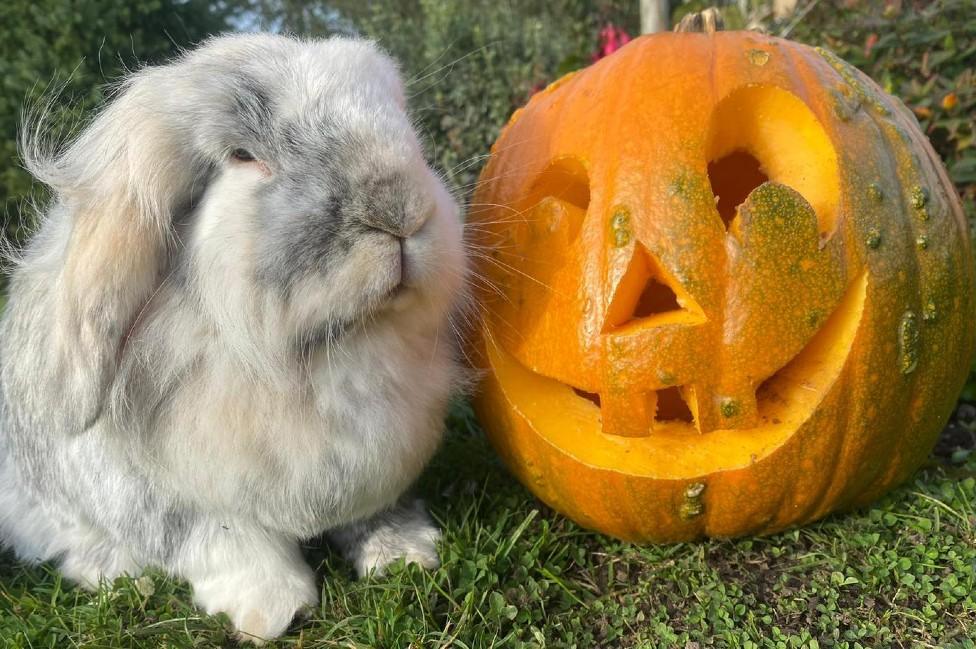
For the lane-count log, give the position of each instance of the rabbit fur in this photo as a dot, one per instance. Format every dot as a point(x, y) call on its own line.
point(232, 329)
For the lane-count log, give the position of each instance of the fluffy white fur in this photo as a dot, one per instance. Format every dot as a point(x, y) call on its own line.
point(206, 358)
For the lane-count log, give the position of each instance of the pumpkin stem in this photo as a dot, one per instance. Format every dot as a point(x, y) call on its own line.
point(707, 21)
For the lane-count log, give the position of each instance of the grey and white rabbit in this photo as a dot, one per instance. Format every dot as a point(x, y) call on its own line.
point(231, 330)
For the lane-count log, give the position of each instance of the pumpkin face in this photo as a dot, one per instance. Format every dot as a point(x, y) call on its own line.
point(729, 289)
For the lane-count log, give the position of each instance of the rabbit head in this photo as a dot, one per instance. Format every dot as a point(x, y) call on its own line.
point(319, 211)
point(280, 182)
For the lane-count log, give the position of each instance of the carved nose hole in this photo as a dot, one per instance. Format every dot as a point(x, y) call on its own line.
point(655, 298)
point(671, 406)
point(646, 295)
point(733, 178)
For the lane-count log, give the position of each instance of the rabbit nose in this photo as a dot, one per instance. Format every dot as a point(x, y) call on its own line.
point(402, 223)
point(403, 265)
point(416, 219)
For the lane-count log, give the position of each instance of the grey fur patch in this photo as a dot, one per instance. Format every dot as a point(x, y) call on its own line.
point(252, 108)
point(309, 235)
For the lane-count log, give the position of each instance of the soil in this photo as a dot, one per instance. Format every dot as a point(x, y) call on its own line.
point(959, 435)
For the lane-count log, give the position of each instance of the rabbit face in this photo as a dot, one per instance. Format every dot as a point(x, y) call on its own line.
point(318, 206)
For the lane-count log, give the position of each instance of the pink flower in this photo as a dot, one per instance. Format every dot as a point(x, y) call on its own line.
point(611, 39)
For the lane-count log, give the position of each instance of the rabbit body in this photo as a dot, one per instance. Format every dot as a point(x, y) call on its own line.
point(232, 330)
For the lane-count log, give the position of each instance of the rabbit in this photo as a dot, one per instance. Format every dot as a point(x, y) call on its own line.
point(232, 329)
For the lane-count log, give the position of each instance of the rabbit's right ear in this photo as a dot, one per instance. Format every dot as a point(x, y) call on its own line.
point(97, 258)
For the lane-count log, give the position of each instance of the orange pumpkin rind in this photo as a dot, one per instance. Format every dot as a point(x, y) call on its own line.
point(731, 289)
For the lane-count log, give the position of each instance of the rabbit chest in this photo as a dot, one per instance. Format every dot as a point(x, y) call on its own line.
point(339, 443)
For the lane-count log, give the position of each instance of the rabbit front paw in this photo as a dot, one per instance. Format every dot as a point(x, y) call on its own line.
point(260, 605)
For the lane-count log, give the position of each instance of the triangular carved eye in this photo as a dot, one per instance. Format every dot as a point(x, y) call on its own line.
point(647, 294)
point(560, 197)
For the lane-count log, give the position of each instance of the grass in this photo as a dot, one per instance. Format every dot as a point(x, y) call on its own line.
point(515, 574)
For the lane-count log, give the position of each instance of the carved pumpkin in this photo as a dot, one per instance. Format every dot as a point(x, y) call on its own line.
point(728, 289)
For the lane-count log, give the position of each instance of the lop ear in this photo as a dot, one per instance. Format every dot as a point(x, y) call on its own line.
point(98, 256)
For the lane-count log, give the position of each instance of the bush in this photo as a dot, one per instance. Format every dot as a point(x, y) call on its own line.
point(79, 46)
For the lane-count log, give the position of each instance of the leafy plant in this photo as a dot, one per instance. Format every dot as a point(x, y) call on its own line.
point(75, 48)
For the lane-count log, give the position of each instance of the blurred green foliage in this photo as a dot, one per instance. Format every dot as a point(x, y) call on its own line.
point(469, 64)
point(78, 47)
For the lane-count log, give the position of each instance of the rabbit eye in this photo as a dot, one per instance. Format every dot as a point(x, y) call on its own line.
point(242, 155)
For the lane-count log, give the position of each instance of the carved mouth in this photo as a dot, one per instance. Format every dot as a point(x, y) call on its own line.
point(572, 420)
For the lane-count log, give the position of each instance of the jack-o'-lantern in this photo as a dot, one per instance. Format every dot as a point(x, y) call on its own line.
point(727, 288)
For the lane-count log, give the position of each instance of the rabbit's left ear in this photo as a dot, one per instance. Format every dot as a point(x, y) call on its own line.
point(101, 254)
